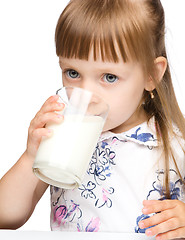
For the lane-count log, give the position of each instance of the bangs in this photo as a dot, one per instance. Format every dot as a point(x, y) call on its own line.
point(104, 29)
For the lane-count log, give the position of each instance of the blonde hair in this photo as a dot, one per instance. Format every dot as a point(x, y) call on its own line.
point(134, 30)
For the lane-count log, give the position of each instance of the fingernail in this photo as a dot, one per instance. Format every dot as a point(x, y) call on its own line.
point(60, 116)
point(145, 210)
point(49, 131)
point(54, 97)
point(148, 232)
point(60, 104)
point(141, 225)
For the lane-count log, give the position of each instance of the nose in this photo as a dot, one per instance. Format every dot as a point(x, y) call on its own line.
point(89, 84)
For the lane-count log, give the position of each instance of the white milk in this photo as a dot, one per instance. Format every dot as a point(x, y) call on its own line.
point(64, 157)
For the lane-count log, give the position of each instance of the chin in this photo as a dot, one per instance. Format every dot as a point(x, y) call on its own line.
point(108, 127)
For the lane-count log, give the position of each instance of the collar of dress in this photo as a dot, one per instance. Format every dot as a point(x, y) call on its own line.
point(143, 134)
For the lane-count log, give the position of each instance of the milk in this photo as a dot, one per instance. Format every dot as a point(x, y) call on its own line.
point(62, 159)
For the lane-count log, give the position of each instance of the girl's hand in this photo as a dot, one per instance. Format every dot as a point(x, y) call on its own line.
point(37, 128)
point(169, 220)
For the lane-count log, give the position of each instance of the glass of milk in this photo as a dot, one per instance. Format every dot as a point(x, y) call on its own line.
point(63, 159)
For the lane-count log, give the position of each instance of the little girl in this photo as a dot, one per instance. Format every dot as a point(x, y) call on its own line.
point(135, 179)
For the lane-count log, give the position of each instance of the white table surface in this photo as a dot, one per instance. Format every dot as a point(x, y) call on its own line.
point(44, 235)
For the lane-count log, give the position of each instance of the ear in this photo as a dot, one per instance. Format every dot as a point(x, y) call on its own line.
point(160, 66)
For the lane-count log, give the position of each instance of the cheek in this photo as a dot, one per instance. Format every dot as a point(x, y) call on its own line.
point(70, 84)
point(123, 106)
point(116, 114)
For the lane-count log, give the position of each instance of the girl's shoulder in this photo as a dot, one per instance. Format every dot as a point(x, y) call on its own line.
point(176, 139)
point(146, 134)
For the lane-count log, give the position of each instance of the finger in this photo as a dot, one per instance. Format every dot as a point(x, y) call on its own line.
point(150, 202)
point(159, 206)
point(52, 105)
point(153, 202)
point(35, 138)
point(51, 99)
point(163, 227)
point(41, 120)
point(174, 234)
point(156, 219)
point(55, 106)
point(38, 133)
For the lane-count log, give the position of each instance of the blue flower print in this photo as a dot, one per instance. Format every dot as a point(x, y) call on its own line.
point(63, 214)
point(143, 137)
point(108, 157)
point(73, 211)
point(56, 194)
point(98, 172)
point(175, 191)
point(92, 226)
point(87, 191)
point(100, 169)
point(104, 144)
point(105, 200)
point(140, 218)
point(101, 162)
point(158, 191)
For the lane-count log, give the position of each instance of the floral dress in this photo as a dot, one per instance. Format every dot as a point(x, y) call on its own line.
point(124, 170)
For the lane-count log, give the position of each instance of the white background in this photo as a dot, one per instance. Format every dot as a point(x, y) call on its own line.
point(29, 74)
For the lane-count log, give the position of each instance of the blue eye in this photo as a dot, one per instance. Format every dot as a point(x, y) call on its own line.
point(110, 78)
point(72, 73)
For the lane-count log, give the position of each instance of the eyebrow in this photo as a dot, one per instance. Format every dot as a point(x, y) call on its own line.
point(103, 69)
point(61, 62)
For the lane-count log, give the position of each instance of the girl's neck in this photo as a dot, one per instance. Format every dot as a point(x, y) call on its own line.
point(136, 119)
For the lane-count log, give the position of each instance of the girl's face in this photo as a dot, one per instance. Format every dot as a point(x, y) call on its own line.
point(120, 84)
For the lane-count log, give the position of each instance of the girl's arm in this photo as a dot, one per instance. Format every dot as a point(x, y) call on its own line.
point(20, 189)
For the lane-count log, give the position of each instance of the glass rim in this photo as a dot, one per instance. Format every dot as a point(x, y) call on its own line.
point(82, 89)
